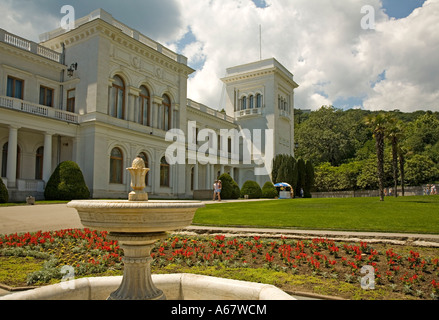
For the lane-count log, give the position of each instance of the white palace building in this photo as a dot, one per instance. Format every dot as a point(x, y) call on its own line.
point(102, 94)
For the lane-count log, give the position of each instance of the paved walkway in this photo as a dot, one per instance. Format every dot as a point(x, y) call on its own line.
point(58, 216)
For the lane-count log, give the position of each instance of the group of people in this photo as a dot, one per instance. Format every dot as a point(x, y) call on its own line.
point(217, 186)
point(430, 189)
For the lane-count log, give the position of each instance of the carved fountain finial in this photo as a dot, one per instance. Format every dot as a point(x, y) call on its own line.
point(138, 173)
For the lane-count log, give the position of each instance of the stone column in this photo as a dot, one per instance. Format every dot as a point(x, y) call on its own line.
point(156, 120)
point(208, 184)
point(133, 105)
point(137, 282)
point(11, 173)
point(47, 158)
point(196, 176)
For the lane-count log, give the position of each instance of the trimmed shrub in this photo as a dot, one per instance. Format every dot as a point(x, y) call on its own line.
point(230, 189)
point(252, 189)
point(269, 191)
point(4, 195)
point(67, 183)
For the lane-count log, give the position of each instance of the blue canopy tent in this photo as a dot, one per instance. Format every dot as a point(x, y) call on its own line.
point(284, 194)
point(282, 184)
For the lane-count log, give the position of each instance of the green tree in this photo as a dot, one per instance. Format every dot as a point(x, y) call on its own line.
point(66, 183)
point(422, 133)
point(4, 195)
point(230, 189)
point(331, 135)
point(309, 179)
point(301, 177)
point(367, 178)
point(252, 189)
point(394, 133)
point(421, 169)
point(269, 191)
point(377, 124)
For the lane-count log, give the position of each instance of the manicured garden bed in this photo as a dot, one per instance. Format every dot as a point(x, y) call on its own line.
point(318, 266)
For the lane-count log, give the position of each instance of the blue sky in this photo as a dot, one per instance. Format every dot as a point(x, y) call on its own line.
point(401, 8)
point(333, 59)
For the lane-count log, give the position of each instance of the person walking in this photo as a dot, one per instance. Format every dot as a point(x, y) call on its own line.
point(215, 189)
point(220, 186)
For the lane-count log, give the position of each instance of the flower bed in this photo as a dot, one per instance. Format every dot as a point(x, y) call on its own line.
point(400, 271)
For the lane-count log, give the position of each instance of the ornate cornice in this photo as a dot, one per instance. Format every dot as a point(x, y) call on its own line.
point(102, 28)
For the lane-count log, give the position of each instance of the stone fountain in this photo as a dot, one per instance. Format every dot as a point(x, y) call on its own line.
point(137, 224)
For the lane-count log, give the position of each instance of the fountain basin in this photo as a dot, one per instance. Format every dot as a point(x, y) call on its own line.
point(174, 286)
point(123, 216)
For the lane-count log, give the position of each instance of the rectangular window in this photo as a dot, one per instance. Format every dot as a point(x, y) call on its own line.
point(71, 95)
point(46, 96)
point(15, 88)
point(144, 111)
point(164, 176)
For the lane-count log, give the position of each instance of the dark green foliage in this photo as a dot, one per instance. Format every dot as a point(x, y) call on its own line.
point(4, 195)
point(230, 189)
point(252, 189)
point(284, 169)
point(301, 177)
point(67, 183)
point(269, 191)
point(343, 147)
point(309, 179)
point(421, 170)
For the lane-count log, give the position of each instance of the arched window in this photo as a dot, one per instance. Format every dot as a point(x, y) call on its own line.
point(244, 103)
point(166, 113)
point(145, 107)
point(116, 166)
point(39, 158)
point(146, 160)
point(252, 102)
point(164, 173)
point(117, 98)
point(5, 160)
point(259, 100)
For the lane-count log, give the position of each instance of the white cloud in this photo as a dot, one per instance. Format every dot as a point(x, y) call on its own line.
point(320, 41)
point(407, 49)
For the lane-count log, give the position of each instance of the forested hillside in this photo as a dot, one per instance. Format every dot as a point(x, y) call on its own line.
point(342, 146)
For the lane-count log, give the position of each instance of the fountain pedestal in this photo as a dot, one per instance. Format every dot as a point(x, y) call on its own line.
point(137, 282)
point(137, 225)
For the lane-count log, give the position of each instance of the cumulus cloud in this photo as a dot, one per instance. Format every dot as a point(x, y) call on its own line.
point(321, 42)
point(407, 50)
point(158, 19)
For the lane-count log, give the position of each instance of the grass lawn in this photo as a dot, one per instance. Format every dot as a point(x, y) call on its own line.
point(403, 214)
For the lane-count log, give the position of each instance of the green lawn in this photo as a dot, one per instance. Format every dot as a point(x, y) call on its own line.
point(404, 214)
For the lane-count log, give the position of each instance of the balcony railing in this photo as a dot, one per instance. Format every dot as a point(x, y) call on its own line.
point(30, 46)
point(105, 16)
point(285, 114)
point(248, 112)
point(39, 110)
point(210, 111)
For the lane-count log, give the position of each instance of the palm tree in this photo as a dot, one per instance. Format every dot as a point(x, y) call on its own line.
point(401, 154)
point(378, 123)
point(394, 133)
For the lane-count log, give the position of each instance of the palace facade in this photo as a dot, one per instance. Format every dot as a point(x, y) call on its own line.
point(103, 93)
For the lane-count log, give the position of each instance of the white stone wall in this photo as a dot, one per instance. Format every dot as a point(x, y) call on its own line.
point(103, 51)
